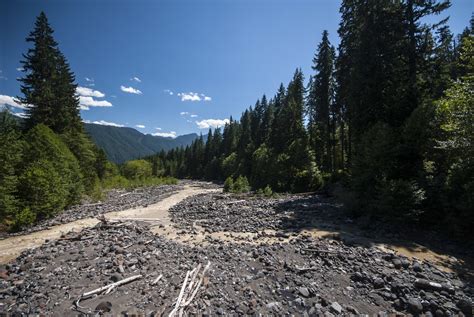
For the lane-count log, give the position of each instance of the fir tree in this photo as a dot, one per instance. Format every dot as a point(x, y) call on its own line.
point(48, 85)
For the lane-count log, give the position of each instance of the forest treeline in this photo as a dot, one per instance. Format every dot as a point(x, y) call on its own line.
point(388, 116)
point(47, 161)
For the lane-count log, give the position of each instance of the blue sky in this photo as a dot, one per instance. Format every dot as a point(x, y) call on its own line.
point(180, 66)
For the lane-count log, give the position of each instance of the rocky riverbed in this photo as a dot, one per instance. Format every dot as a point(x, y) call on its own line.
point(294, 273)
point(115, 200)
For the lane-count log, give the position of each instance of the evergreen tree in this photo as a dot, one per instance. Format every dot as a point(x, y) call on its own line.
point(320, 103)
point(48, 85)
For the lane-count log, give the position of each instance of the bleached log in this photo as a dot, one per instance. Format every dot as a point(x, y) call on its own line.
point(108, 288)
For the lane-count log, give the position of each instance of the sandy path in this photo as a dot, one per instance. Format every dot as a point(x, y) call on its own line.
point(157, 213)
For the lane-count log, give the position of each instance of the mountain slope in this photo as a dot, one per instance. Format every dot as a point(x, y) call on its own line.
point(122, 143)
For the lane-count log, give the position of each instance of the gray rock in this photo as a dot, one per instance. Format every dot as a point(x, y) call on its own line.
point(465, 305)
point(335, 308)
point(379, 283)
point(104, 307)
point(414, 306)
point(304, 291)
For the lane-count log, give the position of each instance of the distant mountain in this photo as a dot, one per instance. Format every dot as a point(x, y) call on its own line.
point(122, 144)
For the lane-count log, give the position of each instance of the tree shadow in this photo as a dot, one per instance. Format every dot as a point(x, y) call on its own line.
point(324, 217)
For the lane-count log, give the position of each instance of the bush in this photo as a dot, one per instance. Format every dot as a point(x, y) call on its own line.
point(24, 218)
point(137, 169)
point(228, 184)
point(241, 185)
point(267, 191)
point(122, 182)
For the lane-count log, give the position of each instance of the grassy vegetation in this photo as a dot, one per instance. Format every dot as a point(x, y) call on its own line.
point(123, 182)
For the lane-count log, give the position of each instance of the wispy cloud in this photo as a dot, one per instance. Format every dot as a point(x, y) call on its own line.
point(169, 92)
point(130, 90)
point(140, 126)
point(159, 129)
point(87, 92)
point(138, 80)
point(193, 96)
point(89, 79)
point(211, 123)
point(20, 69)
point(171, 134)
point(103, 122)
point(194, 116)
point(12, 102)
point(184, 113)
point(1, 76)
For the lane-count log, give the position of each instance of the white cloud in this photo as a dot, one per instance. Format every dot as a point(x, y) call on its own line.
point(85, 102)
point(184, 113)
point(20, 69)
point(193, 115)
point(171, 134)
point(89, 79)
point(211, 123)
point(189, 96)
point(140, 126)
point(20, 114)
point(138, 80)
point(168, 92)
point(130, 90)
point(159, 129)
point(87, 92)
point(193, 96)
point(12, 102)
point(103, 122)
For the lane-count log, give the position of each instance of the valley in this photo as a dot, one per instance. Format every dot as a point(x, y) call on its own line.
point(293, 254)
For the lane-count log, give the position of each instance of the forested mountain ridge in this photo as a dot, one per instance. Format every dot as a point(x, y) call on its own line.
point(122, 143)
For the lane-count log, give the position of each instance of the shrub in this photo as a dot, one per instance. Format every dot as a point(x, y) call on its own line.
point(23, 218)
point(228, 184)
point(267, 191)
point(137, 169)
point(241, 185)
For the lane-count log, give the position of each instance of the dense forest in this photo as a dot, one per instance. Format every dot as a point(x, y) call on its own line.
point(47, 161)
point(388, 117)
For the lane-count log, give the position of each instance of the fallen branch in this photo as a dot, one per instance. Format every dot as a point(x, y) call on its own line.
point(323, 251)
point(189, 291)
point(305, 269)
point(236, 202)
point(108, 288)
point(157, 280)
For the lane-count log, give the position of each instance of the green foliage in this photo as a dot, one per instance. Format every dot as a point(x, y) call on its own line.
point(229, 165)
point(240, 185)
point(42, 189)
point(137, 169)
point(23, 218)
point(50, 179)
point(228, 184)
point(119, 181)
point(266, 192)
point(11, 148)
point(48, 84)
